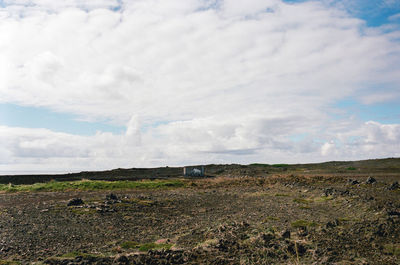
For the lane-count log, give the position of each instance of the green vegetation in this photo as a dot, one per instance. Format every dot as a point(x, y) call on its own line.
point(323, 199)
point(259, 165)
point(271, 218)
point(148, 246)
point(83, 211)
point(303, 223)
point(302, 201)
point(312, 200)
point(281, 195)
point(351, 168)
point(208, 243)
point(9, 262)
point(145, 246)
point(93, 185)
point(130, 244)
point(280, 165)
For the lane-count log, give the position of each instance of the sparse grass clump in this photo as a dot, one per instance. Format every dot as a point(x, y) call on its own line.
point(9, 262)
point(323, 199)
point(392, 249)
point(145, 246)
point(148, 246)
point(130, 244)
point(83, 211)
point(208, 243)
point(271, 218)
point(303, 223)
point(302, 201)
point(281, 195)
point(93, 185)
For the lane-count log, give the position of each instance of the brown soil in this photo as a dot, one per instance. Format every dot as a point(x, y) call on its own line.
point(271, 219)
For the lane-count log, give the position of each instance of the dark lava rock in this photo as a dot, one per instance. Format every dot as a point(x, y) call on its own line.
point(267, 237)
point(393, 213)
point(286, 234)
point(112, 197)
point(121, 260)
point(75, 202)
point(353, 182)
point(332, 224)
point(328, 191)
point(345, 192)
point(370, 180)
point(296, 249)
point(394, 186)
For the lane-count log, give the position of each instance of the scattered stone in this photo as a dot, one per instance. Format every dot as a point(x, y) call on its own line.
point(302, 231)
point(345, 192)
point(332, 224)
point(296, 249)
point(394, 186)
point(285, 234)
point(121, 259)
point(370, 180)
point(75, 202)
point(327, 192)
point(267, 237)
point(353, 182)
point(112, 197)
point(393, 213)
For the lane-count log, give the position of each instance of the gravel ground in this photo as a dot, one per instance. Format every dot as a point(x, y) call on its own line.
point(224, 220)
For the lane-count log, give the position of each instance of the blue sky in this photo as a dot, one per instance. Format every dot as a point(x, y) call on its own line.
point(14, 115)
point(374, 12)
point(167, 82)
point(385, 113)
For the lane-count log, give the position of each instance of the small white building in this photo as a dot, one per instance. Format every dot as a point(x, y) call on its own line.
point(193, 171)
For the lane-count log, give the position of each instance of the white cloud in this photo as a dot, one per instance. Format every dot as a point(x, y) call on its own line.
point(41, 150)
point(203, 80)
point(328, 148)
point(395, 17)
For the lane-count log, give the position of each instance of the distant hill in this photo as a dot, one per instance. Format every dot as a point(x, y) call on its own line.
point(363, 167)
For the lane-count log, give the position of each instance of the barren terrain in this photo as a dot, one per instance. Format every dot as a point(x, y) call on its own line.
point(255, 214)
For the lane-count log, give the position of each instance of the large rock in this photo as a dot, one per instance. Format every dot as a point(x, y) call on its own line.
point(112, 197)
point(353, 182)
point(370, 180)
point(75, 202)
point(394, 186)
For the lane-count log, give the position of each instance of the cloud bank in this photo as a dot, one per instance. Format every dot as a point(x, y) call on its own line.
point(194, 82)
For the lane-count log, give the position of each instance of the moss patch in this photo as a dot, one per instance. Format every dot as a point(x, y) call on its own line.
point(9, 262)
point(302, 201)
point(83, 211)
point(323, 199)
point(303, 223)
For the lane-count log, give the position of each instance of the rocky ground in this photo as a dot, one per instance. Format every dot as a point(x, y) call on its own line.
point(271, 219)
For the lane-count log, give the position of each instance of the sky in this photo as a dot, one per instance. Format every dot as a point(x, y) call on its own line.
point(102, 84)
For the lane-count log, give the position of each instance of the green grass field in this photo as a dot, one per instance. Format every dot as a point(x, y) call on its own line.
point(92, 185)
